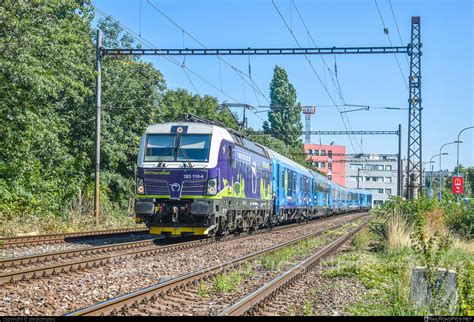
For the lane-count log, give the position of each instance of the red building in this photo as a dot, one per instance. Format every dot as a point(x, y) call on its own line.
point(329, 159)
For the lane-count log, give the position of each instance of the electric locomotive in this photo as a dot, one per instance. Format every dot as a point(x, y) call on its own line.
point(195, 177)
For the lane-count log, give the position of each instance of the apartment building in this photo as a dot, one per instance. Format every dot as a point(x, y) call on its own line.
point(329, 159)
point(375, 173)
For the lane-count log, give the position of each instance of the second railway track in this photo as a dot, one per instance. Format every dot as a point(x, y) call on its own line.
point(24, 241)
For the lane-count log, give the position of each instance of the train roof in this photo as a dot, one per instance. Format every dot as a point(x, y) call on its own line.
point(289, 162)
point(192, 128)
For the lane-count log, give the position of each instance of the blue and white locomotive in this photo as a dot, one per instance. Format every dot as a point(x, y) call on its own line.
point(195, 177)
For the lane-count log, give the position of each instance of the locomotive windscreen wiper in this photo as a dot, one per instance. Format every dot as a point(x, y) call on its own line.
point(184, 154)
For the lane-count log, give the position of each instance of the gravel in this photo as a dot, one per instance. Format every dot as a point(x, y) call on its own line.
point(80, 289)
point(71, 245)
point(317, 295)
point(205, 300)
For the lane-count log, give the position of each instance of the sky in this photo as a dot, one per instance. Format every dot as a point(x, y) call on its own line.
point(374, 80)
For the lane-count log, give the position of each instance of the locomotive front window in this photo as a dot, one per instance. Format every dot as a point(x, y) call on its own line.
point(160, 147)
point(194, 147)
point(185, 147)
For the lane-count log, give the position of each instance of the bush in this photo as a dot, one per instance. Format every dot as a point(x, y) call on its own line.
point(457, 215)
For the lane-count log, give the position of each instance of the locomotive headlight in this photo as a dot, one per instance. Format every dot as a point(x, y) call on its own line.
point(140, 186)
point(212, 186)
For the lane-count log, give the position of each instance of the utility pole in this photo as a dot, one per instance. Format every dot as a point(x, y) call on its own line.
point(98, 96)
point(414, 119)
point(308, 111)
point(400, 164)
point(358, 177)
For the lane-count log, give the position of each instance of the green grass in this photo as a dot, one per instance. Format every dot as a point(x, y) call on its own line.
point(386, 275)
point(227, 282)
point(290, 311)
point(308, 308)
point(273, 261)
point(202, 291)
point(28, 224)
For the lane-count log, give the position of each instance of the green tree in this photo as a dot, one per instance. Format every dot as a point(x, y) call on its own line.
point(47, 112)
point(132, 90)
point(46, 70)
point(175, 103)
point(285, 113)
point(270, 142)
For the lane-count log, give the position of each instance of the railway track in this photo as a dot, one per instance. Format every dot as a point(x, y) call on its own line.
point(106, 255)
point(165, 289)
point(264, 296)
point(23, 241)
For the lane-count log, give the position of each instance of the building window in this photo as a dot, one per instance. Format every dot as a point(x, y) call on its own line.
point(322, 165)
point(314, 164)
point(316, 152)
point(356, 166)
point(322, 152)
point(375, 190)
point(388, 191)
point(329, 166)
point(310, 152)
point(388, 167)
point(378, 202)
point(388, 179)
point(330, 177)
point(374, 179)
point(374, 166)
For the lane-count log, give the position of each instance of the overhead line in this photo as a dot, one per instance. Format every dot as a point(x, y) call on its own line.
point(398, 29)
point(235, 69)
point(390, 41)
point(145, 42)
point(337, 86)
point(314, 70)
point(336, 83)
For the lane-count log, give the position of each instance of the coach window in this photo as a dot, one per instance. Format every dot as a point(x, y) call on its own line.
point(283, 178)
point(289, 180)
point(277, 175)
point(294, 181)
point(231, 157)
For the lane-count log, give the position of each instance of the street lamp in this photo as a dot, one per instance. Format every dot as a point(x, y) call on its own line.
point(358, 176)
point(457, 155)
point(440, 195)
point(430, 195)
point(423, 173)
